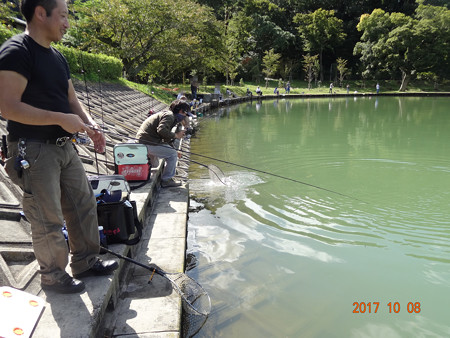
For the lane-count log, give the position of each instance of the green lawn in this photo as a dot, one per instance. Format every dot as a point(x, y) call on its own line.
point(301, 87)
point(167, 92)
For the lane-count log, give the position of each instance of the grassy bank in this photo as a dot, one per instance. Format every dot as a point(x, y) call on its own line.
point(167, 93)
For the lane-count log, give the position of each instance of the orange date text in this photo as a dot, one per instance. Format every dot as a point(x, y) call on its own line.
point(392, 307)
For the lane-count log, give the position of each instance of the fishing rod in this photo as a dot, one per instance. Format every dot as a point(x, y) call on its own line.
point(245, 167)
point(101, 107)
point(83, 72)
point(89, 106)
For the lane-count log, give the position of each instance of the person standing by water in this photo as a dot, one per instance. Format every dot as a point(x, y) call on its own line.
point(377, 87)
point(331, 88)
point(38, 99)
point(288, 88)
point(194, 88)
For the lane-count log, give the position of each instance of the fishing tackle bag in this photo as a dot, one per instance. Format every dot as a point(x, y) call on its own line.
point(119, 221)
point(116, 213)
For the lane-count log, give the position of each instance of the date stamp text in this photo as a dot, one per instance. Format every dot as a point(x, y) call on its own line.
point(391, 307)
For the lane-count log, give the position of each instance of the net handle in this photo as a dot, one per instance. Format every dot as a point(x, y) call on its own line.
point(174, 284)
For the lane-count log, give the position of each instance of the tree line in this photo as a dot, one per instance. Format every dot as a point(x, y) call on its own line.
point(227, 40)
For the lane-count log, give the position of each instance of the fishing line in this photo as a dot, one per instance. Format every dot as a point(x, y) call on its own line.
point(246, 167)
point(214, 171)
point(279, 176)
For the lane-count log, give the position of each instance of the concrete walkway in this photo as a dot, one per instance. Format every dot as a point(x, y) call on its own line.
point(145, 309)
point(125, 304)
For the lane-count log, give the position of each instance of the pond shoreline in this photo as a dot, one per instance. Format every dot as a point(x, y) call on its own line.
point(215, 103)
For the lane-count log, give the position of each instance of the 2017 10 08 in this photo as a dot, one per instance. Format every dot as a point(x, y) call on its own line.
point(393, 307)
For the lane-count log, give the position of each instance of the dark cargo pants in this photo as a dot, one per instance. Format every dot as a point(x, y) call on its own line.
point(55, 188)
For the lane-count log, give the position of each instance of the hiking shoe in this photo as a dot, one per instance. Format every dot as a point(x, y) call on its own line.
point(100, 268)
point(170, 183)
point(65, 284)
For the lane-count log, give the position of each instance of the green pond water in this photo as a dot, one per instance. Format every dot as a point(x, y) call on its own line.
point(367, 257)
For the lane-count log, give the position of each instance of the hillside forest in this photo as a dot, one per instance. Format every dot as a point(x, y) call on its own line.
point(233, 40)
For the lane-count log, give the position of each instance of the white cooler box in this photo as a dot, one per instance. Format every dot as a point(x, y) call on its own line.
point(131, 160)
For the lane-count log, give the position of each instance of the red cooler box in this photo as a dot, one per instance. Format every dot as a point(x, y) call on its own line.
point(132, 161)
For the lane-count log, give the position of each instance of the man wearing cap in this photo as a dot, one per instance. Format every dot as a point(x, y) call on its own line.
point(156, 132)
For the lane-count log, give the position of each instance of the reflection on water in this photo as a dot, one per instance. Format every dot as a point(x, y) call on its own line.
point(282, 259)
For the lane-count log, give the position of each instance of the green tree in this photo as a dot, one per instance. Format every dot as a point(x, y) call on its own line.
point(250, 28)
point(398, 43)
point(169, 37)
point(287, 68)
point(8, 11)
point(377, 42)
point(230, 71)
point(320, 30)
point(308, 66)
point(433, 32)
point(5, 12)
point(271, 63)
point(269, 27)
point(342, 69)
point(268, 35)
point(316, 70)
point(237, 43)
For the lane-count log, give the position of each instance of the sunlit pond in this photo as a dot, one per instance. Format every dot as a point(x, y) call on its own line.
point(335, 222)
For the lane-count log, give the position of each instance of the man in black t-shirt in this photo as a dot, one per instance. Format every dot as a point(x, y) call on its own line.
point(38, 99)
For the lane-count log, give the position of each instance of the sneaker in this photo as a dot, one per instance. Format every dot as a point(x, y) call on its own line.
point(100, 268)
point(65, 284)
point(170, 183)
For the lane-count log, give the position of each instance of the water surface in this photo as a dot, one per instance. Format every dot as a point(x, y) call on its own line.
point(285, 259)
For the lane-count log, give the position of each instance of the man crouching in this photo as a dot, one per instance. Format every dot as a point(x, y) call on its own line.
point(156, 133)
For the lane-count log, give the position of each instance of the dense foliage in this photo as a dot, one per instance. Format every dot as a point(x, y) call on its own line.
point(153, 38)
point(103, 67)
point(5, 33)
point(228, 40)
point(395, 42)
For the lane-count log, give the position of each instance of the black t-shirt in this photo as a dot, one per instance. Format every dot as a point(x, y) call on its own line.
point(47, 73)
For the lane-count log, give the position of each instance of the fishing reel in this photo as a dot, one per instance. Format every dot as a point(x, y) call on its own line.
point(81, 138)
